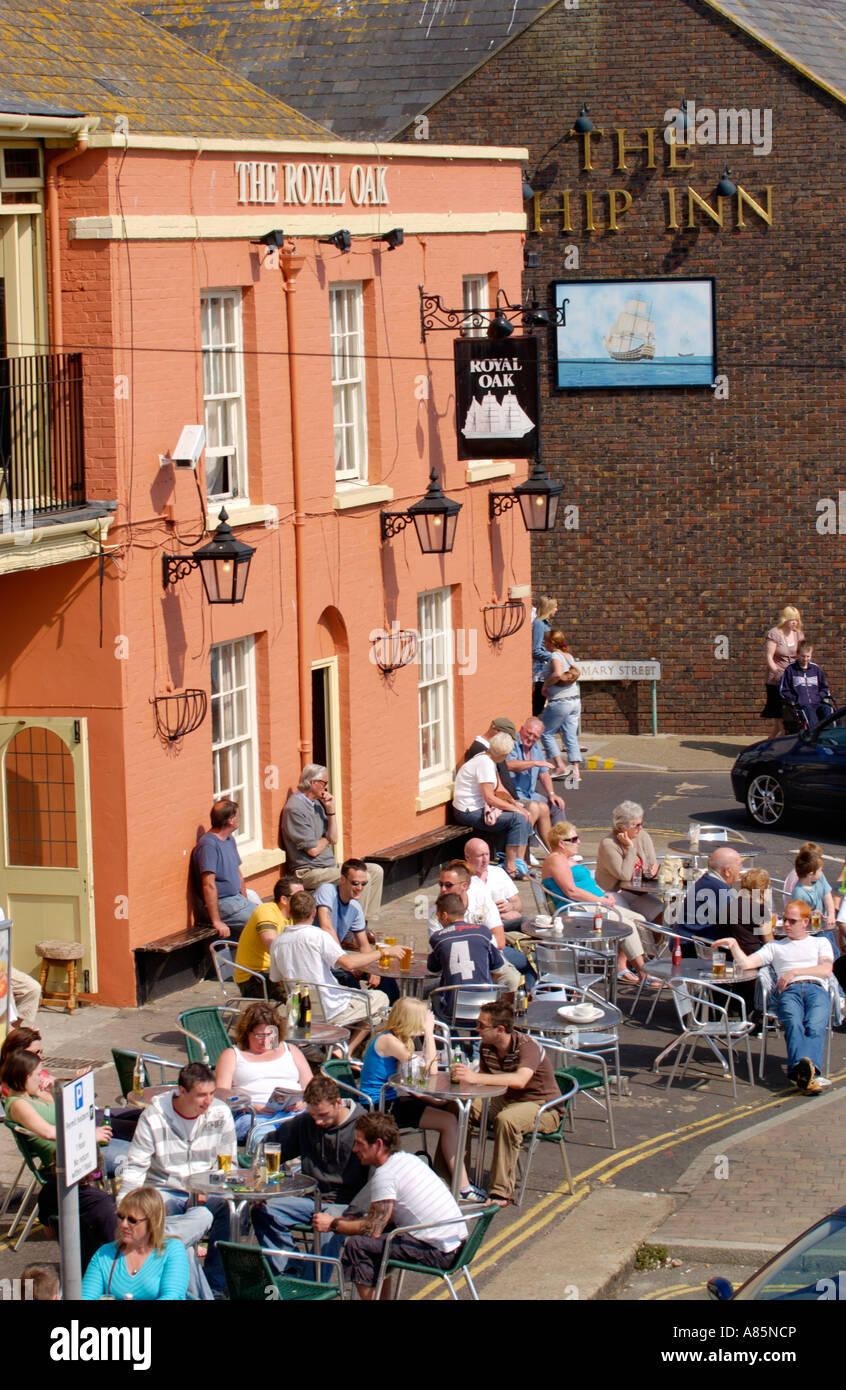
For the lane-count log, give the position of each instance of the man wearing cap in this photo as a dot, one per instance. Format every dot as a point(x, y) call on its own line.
point(481, 744)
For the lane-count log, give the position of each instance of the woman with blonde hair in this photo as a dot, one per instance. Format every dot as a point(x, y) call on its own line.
point(779, 650)
point(394, 1044)
point(566, 880)
point(140, 1263)
point(545, 610)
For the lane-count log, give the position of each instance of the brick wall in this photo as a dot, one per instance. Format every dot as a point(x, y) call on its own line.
point(697, 516)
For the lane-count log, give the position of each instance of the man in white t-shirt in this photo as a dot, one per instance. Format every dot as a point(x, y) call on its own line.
point(480, 909)
point(803, 967)
point(304, 953)
point(403, 1192)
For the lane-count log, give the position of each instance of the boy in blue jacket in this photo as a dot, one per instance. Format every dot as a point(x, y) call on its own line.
point(804, 686)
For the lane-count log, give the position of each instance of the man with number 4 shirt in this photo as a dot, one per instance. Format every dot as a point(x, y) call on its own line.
point(463, 953)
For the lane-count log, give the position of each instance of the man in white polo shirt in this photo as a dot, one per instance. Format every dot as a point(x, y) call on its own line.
point(403, 1192)
point(304, 953)
point(803, 967)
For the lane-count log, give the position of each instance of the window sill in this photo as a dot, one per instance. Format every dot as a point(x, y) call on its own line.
point(241, 513)
point(360, 495)
point(259, 861)
point(433, 796)
point(484, 469)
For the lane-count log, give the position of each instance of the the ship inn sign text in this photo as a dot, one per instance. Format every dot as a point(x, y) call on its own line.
point(496, 398)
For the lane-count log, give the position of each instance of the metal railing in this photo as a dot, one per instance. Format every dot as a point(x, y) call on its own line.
point(41, 435)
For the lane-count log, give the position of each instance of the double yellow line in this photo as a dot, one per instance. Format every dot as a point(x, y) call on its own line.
point(558, 1202)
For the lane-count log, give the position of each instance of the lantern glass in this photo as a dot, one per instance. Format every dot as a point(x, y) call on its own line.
point(539, 510)
point(435, 531)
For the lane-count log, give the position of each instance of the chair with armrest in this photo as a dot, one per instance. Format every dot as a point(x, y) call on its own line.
point(28, 1208)
point(125, 1060)
point(250, 1278)
point(478, 1221)
point(703, 1018)
point(589, 1069)
point(206, 1032)
point(223, 961)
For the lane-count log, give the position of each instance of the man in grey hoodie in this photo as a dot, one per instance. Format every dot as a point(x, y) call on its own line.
point(322, 1136)
point(179, 1136)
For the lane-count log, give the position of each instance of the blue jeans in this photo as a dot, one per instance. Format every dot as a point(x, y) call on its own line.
point(516, 827)
point(273, 1221)
point(563, 716)
point(521, 963)
point(803, 1010)
point(176, 1203)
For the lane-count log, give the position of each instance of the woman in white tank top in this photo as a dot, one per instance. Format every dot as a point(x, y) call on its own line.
point(259, 1062)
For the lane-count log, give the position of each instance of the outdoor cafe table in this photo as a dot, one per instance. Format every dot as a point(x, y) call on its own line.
point(707, 847)
point(439, 1087)
point(410, 981)
point(245, 1186)
point(542, 1016)
point(319, 1034)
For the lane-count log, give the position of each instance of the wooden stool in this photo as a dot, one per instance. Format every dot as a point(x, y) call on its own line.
point(62, 955)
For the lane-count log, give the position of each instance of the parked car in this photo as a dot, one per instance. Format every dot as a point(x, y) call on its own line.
point(798, 772)
point(812, 1267)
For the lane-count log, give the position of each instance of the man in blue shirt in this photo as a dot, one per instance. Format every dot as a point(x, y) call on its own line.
point(529, 770)
point(711, 904)
point(216, 875)
point(339, 912)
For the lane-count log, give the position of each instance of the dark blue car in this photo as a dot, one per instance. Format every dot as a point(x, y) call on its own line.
point(797, 772)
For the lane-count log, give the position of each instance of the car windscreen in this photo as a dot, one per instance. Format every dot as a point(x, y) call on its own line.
point(814, 1268)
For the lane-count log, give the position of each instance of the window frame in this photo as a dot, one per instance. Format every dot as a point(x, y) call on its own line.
point(349, 392)
point(439, 603)
point(475, 291)
point(237, 446)
point(248, 836)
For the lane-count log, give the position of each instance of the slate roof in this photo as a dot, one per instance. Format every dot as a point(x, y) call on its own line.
point(364, 68)
point(810, 34)
point(361, 67)
point(102, 59)
point(15, 104)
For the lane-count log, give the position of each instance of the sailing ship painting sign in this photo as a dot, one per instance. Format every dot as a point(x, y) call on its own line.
point(621, 333)
point(496, 398)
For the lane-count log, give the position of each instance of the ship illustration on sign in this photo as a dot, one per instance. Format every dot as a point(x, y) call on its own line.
point(632, 337)
point(490, 418)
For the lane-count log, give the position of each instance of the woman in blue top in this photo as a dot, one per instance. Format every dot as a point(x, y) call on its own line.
point(140, 1264)
point(393, 1044)
point(568, 881)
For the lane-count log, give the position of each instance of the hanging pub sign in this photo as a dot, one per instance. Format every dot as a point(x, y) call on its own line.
point(496, 398)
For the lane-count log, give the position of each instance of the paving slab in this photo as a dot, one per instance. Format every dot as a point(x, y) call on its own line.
point(666, 752)
point(585, 1255)
point(743, 1198)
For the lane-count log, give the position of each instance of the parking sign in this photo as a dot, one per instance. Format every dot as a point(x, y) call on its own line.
point(79, 1125)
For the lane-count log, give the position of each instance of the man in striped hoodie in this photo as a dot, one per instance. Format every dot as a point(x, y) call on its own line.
point(179, 1136)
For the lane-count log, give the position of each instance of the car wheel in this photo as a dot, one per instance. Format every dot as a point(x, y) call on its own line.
point(765, 800)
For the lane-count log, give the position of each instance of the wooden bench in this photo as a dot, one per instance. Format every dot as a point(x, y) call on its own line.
point(172, 962)
point(407, 865)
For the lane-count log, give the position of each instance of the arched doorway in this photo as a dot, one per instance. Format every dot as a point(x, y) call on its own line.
point(328, 680)
point(45, 837)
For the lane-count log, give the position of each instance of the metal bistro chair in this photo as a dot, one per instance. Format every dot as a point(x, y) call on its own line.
point(479, 1221)
point(696, 1007)
point(661, 968)
point(345, 1076)
point(771, 1020)
point(125, 1062)
point(28, 1209)
point(458, 1005)
point(250, 1278)
point(223, 961)
point(589, 1069)
point(568, 965)
point(316, 988)
point(206, 1033)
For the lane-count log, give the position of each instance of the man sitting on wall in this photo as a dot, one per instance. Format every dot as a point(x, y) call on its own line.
point(216, 875)
point(308, 833)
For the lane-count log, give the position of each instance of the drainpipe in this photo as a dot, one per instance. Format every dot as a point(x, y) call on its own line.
point(52, 182)
point(291, 267)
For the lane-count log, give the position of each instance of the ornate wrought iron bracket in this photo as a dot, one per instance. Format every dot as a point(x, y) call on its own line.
point(436, 318)
point(176, 567)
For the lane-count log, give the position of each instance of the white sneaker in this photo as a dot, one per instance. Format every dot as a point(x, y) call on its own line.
point(822, 1080)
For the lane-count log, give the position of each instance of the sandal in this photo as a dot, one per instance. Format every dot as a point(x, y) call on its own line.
point(628, 977)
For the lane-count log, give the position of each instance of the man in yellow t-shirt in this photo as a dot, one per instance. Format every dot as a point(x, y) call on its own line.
point(256, 939)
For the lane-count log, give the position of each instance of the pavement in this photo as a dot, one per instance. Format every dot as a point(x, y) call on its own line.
point(708, 1176)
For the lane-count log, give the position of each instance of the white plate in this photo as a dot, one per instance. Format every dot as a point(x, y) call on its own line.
point(571, 1016)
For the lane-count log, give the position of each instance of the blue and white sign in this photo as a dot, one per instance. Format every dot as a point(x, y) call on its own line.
point(79, 1128)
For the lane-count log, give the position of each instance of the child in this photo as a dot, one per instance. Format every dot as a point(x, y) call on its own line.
point(804, 686)
point(813, 887)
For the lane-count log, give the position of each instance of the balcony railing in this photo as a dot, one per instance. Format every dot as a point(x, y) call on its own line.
point(41, 436)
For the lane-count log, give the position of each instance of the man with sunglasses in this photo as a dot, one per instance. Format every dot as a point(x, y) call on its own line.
point(803, 967)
